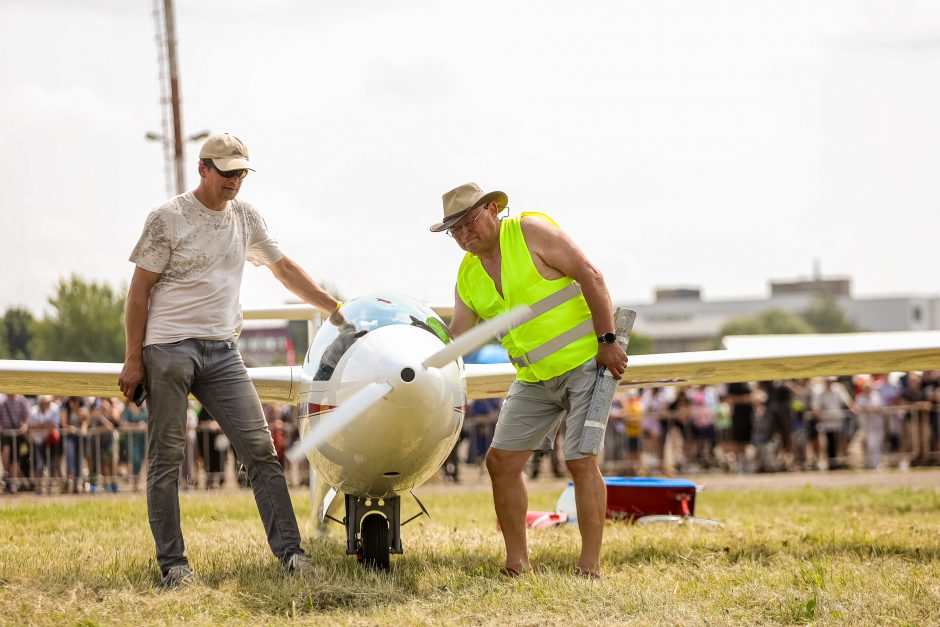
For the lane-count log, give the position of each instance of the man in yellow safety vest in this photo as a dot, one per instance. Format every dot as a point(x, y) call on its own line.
point(529, 260)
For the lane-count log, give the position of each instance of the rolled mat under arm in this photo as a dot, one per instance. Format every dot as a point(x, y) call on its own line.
point(595, 425)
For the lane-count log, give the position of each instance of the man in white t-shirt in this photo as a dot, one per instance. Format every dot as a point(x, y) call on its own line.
point(44, 423)
point(181, 322)
point(831, 405)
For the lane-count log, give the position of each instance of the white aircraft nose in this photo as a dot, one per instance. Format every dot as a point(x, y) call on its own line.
point(418, 386)
point(401, 375)
point(381, 386)
point(392, 355)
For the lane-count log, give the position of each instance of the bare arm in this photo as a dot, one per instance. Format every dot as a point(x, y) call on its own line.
point(463, 319)
point(553, 250)
point(300, 283)
point(135, 326)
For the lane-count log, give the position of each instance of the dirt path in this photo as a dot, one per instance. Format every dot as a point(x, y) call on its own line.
point(474, 481)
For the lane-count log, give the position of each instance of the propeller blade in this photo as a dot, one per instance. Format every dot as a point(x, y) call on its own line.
point(339, 419)
point(477, 337)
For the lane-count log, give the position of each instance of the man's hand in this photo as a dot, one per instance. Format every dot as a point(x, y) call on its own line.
point(132, 375)
point(612, 357)
point(135, 325)
point(337, 318)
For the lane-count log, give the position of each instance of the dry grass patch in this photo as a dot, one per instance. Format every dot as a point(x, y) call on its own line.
point(869, 556)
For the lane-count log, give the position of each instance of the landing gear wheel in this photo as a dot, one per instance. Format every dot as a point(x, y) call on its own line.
point(375, 547)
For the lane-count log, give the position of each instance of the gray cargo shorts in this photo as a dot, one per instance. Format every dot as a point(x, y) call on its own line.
point(532, 413)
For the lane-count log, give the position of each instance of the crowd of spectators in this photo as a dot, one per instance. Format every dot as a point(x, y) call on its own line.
point(825, 424)
point(87, 445)
point(81, 444)
point(870, 421)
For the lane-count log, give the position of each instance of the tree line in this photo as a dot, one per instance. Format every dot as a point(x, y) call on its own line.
point(85, 322)
point(822, 316)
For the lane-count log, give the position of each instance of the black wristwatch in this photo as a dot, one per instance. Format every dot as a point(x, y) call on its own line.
point(608, 338)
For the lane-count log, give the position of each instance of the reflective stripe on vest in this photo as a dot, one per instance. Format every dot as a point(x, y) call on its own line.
point(553, 345)
point(549, 302)
point(558, 342)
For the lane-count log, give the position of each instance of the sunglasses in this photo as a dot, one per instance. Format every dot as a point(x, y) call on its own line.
point(228, 174)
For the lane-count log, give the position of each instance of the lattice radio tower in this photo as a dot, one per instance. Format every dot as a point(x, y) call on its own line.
point(170, 114)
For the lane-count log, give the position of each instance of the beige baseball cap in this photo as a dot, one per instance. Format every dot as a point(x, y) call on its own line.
point(227, 152)
point(458, 201)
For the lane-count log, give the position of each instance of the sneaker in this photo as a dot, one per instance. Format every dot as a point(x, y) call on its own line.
point(298, 564)
point(178, 576)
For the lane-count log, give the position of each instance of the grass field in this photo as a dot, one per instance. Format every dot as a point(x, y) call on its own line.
point(859, 555)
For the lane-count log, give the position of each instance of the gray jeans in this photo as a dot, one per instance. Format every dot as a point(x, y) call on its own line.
point(215, 374)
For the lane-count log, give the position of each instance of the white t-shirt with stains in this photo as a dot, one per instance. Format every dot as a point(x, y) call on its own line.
point(200, 255)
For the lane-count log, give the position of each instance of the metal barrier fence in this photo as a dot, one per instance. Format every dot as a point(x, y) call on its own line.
point(668, 443)
point(102, 459)
point(898, 436)
point(61, 460)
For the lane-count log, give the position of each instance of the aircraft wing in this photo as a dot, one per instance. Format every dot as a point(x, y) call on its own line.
point(488, 380)
point(754, 360)
point(276, 384)
point(59, 378)
point(294, 311)
point(302, 311)
point(831, 341)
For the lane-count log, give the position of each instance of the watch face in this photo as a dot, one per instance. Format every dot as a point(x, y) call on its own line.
point(609, 338)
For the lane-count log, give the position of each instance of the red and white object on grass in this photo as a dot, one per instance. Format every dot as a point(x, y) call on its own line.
point(541, 520)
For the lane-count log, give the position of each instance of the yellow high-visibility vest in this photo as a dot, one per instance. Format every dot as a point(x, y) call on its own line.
point(560, 338)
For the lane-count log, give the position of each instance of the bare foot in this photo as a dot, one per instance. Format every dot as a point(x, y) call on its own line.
point(588, 574)
point(515, 571)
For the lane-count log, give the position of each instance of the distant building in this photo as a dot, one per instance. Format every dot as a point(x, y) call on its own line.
point(680, 320)
point(833, 287)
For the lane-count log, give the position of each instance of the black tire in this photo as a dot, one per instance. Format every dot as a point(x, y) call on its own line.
point(375, 549)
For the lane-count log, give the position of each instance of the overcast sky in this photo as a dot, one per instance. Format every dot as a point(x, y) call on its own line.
point(705, 143)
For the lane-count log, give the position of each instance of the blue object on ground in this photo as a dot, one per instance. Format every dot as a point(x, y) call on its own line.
point(648, 482)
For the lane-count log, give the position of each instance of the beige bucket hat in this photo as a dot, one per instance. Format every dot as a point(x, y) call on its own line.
point(227, 152)
point(458, 201)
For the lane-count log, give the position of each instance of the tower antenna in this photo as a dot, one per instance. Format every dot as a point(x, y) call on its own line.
point(174, 95)
point(170, 111)
point(163, 137)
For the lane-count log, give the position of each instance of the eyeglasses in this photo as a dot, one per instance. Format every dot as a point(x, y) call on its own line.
point(458, 228)
point(228, 174)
